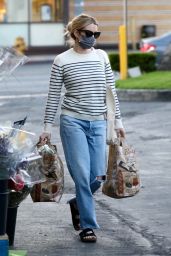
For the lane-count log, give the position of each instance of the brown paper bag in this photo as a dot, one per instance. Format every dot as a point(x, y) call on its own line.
point(122, 173)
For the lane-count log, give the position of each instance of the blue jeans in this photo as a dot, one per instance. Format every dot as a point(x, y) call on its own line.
point(84, 144)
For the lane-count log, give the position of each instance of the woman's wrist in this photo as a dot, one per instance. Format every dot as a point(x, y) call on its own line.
point(48, 127)
point(118, 124)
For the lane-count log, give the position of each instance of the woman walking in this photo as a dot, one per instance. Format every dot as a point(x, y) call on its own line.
point(83, 117)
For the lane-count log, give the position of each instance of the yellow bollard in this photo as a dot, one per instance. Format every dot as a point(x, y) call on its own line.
point(123, 52)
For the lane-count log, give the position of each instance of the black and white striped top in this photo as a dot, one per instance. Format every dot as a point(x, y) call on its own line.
point(84, 77)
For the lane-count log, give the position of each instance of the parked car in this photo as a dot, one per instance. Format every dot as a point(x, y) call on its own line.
point(156, 44)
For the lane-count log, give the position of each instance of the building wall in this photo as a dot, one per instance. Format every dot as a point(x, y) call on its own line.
point(39, 22)
point(156, 12)
point(110, 14)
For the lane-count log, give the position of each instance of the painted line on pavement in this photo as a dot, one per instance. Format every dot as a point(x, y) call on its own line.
point(23, 96)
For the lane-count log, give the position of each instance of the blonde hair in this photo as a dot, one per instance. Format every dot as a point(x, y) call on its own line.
point(78, 23)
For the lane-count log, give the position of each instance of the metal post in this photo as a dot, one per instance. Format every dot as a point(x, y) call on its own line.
point(79, 7)
point(125, 8)
point(123, 44)
point(123, 52)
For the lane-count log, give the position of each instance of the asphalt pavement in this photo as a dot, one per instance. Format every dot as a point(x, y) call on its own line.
point(131, 226)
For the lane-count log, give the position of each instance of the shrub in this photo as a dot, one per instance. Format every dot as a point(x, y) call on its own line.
point(146, 61)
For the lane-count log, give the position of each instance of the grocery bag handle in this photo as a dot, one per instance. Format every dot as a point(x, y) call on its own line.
point(111, 161)
point(43, 142)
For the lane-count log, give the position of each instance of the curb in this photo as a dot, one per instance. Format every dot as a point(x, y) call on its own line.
point(123, 95)
point(36, 59)
point(143, 95)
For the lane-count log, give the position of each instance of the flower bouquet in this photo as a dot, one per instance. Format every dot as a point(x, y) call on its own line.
point(20, 162)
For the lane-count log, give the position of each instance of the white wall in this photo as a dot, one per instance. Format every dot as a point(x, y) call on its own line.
point(40, 34)
point(9, 32)
point(47, 34)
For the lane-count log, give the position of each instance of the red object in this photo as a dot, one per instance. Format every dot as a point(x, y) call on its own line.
point(147, 47)
point(135, 182)
point(16, 183)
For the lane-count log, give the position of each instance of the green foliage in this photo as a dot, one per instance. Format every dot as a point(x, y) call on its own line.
point(157, 80)
point(146, 61)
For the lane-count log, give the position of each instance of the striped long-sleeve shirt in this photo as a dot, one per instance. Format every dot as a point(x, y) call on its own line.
point(85, 78)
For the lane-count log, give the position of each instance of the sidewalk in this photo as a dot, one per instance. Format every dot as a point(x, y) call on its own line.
point(45, 229)
point(41, 58)
point(133, 226)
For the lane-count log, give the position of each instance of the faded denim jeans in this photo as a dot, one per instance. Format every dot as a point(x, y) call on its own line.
point(84, 144)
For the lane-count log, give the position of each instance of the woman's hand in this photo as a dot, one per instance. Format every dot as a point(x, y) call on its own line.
point(121, 133)
point(45, 136)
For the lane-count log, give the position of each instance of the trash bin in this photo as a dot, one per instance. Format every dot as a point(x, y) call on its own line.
point(148, 31)
point(11, 223)
point(3, 205)
point(15, 198)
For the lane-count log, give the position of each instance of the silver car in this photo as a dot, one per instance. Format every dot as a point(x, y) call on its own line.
point(156, 44)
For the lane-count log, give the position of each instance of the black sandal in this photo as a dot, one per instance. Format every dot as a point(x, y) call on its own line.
point(88, 236)
point(74, 214)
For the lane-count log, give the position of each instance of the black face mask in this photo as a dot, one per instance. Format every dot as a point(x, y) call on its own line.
point(87, 42)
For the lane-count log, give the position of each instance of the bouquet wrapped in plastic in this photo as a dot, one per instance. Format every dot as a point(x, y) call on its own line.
point(20, 162)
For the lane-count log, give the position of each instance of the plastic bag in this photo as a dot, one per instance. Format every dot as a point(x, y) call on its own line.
point(31, 169)
point(16, 197)
point(8, 157)
point(19, 158)
point(10, 59)
point(52, 189)
point(20, 161)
